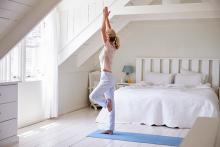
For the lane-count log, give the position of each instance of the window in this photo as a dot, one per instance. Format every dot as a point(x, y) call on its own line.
point(15, 58)
point(23, 61)
point(32, 54)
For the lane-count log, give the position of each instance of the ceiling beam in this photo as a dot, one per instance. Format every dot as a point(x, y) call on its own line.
point(169, 9)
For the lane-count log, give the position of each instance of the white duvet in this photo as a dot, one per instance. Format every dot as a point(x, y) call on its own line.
point(174, 106)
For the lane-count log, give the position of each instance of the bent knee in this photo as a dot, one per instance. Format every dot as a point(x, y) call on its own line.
point(92, 96)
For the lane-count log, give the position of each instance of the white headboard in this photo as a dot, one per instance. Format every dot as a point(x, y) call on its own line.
point(210, 67)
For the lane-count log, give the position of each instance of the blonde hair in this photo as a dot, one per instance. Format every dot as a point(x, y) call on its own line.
point(113, 38)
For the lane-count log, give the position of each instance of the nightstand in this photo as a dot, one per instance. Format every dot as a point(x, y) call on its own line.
point(119, 85)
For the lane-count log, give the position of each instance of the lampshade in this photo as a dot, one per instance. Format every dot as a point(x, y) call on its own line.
point(128, 69)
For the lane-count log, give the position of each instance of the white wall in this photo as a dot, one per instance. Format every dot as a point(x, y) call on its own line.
point(73, 91)
point(73, 95)
point(30, 108)
point(73, 85)
point(185, 38)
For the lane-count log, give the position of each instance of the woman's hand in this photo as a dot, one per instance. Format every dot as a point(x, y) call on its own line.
point(106, 12)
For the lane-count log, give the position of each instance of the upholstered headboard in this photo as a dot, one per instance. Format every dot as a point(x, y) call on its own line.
point(209, 67)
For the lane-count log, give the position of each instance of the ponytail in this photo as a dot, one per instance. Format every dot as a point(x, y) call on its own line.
point(115, 42)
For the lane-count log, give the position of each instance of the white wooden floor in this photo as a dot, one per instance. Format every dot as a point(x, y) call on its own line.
point(71, 129)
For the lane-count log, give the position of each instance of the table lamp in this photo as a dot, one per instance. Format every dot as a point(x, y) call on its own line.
point(128, 69)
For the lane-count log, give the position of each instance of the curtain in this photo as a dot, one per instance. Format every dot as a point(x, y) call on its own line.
point(50, 39)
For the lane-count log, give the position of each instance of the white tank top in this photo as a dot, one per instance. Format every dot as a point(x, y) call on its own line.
point(106, 56)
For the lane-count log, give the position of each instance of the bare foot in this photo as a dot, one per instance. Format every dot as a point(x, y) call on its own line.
point(109, 105)
point(110, 132)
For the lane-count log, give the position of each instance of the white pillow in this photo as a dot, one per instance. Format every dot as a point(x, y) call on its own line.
point(204, 77)
point(158, 78)
point(188, 79)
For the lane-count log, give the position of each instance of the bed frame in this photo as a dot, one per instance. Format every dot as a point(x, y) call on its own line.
point(209, 67)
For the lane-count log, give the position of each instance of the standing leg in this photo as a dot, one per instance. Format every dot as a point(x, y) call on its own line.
point(103, 94)
point(110, 96)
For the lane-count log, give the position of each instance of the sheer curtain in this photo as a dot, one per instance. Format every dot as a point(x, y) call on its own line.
point(50, 43)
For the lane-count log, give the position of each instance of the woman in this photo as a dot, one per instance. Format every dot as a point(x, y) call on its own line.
point(103, 94)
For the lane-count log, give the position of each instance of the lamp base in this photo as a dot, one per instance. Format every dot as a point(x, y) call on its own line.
point(127, 79)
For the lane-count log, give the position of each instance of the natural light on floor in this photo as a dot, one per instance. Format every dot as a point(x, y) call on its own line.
point(28, 133)
point(49, 126)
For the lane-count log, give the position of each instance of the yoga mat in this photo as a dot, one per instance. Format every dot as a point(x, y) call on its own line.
point(138, 137)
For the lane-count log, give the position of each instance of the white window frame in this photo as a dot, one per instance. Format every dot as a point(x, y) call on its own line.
point(6, 65)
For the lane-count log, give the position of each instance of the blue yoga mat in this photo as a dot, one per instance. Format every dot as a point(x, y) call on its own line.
point(137, 137)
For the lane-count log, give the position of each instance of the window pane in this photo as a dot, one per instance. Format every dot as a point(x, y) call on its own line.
point(32, 44)
point(23, 61)
point(16, 62)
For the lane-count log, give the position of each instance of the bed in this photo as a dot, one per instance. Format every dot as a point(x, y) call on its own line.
point(173, 105)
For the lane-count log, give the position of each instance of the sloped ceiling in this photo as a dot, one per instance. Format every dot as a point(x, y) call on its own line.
point(11, 11)
point(18, 17)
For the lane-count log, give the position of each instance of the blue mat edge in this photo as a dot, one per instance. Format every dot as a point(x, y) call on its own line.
point(106, 136)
